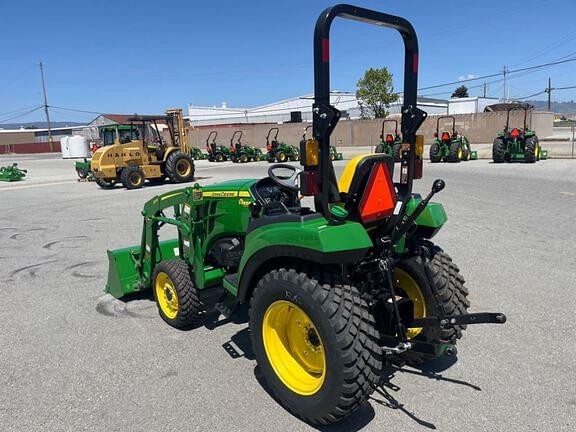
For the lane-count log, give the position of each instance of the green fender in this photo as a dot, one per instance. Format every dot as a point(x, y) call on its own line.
point(308, 238)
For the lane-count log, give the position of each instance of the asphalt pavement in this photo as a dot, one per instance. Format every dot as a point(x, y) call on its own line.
point(72, 358)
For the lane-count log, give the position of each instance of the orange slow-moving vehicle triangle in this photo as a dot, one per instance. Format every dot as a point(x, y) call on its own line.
point(379, 199)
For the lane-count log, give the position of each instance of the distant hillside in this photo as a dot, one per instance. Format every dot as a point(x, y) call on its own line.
point(39, 125)
point(557, 107)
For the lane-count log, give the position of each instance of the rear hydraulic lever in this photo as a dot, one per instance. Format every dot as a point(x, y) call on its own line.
point(406, 223)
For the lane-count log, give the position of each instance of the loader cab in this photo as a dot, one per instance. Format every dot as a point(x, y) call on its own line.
point(117, 134)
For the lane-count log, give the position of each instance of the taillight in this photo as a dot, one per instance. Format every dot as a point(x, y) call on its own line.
point(515, 133)
point(309, 183)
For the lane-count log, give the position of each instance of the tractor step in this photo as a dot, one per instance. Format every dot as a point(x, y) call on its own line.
point(227, 304)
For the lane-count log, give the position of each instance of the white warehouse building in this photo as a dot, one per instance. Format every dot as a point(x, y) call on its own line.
point(294, 110)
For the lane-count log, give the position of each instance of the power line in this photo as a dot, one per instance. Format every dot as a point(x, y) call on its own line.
point(508, 72)
point(6, 120)
point(75, 110)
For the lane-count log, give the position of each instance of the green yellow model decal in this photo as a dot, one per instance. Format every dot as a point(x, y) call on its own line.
point(226, 194)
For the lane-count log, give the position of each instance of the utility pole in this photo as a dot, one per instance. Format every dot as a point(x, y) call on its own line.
point(549, 91)
point(46, 107)
point(485, 90)
point(504, 86)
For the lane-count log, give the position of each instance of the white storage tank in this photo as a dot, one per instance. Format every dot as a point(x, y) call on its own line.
point(64, 147)
point(78, 147)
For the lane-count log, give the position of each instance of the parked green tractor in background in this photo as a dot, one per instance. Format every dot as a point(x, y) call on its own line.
point(333, 291)
point(279, 151)
point(241, 152)
point(450, 146)
point(391, 144)
point(518, 144)
point(197, 154)
point(12, 173)
point(216, 152)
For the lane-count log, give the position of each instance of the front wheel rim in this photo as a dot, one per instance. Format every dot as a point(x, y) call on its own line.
point(183, 167)
point(166, 295)
point(294, 348)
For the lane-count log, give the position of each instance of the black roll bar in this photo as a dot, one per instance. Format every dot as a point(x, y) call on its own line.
point(389, 121)
point(275, 136)
point(446, 117)
point(325, 116)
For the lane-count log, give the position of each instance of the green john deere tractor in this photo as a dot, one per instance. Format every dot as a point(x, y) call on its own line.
point(450, 146)
point(335, 290)
point(518, 144)
point(243, 153)
point(12, 173)
point(197, 154)
point(216, 152)
point(279, 151)
point(391, 144)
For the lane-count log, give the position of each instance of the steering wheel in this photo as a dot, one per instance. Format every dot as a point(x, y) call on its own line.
point(288, 182)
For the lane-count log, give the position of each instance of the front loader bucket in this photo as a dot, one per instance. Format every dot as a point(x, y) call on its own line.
point(473, 155)
point(123, 276)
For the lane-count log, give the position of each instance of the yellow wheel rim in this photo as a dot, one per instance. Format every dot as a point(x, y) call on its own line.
point(166, 295)
point(407, 286)
point(294, 348)
point(282, 157)
point(460, 153)
point(135, 179)
point(183, 167)
point(537, 151)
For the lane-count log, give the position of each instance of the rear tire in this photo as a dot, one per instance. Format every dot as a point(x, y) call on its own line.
point(444, 294)
point(176, 296)
point(435, 155)
point(455, 154)
point(498, 151)
point(531, 150)
point(244, 158)
point(132, 177)
point(346, 337)
point(104, 184)
point(219, 157)
point(180, 167)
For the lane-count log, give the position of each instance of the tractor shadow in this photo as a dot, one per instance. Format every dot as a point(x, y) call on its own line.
point(386, 394)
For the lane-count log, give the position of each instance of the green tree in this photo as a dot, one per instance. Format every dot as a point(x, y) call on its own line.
point(460, 92)
point(375, 93)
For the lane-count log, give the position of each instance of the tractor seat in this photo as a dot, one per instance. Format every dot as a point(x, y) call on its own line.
point(364, 203)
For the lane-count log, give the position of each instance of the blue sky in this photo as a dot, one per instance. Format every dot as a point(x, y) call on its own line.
point(137, 56)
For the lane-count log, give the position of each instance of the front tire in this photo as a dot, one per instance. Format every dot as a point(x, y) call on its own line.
point(176, 296)
point(132, 177)
point(435, 155)
point(443, 293)
point(498, 151)
point(455, 153)
point(180, 167)
point(315, 342)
